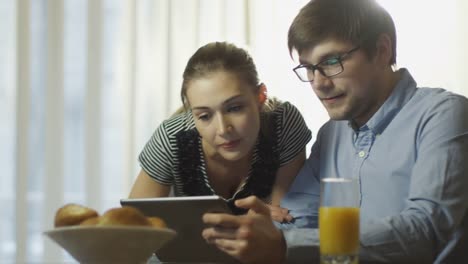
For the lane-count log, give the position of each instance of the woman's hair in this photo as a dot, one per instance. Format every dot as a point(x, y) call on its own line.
point(219, 56)
point(360, 22)
point(223, 56)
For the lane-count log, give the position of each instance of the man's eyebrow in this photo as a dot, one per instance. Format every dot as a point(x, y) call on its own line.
point(322, 57)
point(227, 101)
point(303, 62)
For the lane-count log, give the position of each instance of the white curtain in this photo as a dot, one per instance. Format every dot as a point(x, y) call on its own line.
point(83, 85)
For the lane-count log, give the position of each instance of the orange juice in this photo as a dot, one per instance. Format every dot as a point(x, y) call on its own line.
point(339, 230)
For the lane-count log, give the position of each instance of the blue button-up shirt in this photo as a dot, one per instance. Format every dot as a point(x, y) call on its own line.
point(411, 159)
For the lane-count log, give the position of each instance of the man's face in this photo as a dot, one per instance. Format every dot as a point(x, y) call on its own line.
point(354, 94)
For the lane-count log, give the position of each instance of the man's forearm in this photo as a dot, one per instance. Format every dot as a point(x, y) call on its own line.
point(302, 245)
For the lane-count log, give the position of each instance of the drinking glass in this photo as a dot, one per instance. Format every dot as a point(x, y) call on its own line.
point(339, 220)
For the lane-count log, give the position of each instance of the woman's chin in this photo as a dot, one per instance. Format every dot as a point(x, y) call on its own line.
point(232, 155)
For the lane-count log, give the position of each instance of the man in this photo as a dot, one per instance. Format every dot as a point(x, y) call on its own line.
point(408, 147)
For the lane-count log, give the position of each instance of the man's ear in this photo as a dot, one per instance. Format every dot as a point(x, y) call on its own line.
point(262, 94)
point(384, 50)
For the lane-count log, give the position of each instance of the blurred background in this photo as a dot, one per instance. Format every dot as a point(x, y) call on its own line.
point(84, 84)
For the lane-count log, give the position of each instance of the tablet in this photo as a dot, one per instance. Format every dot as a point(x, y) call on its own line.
point(184, 215)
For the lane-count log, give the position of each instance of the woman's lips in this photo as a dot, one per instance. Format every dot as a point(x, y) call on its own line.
point(230, 144)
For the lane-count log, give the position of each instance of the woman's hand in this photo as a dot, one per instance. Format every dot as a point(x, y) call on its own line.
point(250, 238)
point(279, 214)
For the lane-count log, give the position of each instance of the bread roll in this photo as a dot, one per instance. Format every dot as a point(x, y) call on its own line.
point(125, 215)
point(90, 221)
point(73, 214)
point(157, 222)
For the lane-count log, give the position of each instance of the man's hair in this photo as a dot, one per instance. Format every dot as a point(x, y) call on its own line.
point(360, 22)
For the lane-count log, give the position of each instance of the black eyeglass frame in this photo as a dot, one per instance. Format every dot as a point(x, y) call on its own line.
point(313, 67)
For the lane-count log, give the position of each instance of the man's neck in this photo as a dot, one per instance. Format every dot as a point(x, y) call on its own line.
point(387, 83)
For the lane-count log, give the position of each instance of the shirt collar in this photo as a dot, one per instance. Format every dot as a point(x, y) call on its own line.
point(402, 93)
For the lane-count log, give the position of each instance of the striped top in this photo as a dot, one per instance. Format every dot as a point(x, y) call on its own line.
point(174, 155)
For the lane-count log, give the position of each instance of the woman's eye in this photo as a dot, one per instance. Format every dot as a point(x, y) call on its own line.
point(235, 108)
point(204, 117)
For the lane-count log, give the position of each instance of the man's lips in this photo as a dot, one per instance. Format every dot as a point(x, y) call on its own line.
point(331, 99)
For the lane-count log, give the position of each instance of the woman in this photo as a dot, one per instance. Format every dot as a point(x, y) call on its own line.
point(229, 140)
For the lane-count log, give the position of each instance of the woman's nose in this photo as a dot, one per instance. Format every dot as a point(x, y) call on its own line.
point(223, 125)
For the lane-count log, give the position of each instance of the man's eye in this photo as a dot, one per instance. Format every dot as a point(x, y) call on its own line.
point(330, 62)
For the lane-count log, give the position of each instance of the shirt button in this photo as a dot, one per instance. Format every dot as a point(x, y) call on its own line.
point(362, 154)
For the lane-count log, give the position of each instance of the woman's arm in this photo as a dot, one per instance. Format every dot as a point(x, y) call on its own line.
point(145, 187)
point(284, 177)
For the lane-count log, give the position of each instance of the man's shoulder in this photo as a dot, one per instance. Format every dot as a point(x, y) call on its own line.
point(332, 128)
point(437, 95)
point(434, 99)
point(433, 109)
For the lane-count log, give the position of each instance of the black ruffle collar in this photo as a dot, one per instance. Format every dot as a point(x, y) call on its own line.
point(195, 181)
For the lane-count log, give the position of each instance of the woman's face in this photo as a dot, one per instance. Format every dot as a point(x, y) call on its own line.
point(226, 113)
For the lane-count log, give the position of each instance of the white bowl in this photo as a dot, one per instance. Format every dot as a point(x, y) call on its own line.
point(111, 244)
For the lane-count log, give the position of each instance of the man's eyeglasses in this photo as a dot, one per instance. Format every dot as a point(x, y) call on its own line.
point(328, 68)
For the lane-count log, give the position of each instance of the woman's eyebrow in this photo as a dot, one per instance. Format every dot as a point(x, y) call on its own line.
point(225, 102)
point(229, 100)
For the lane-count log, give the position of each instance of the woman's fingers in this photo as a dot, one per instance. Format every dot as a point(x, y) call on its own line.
point(279, 214)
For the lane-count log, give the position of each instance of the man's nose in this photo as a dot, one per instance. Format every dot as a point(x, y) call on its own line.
point(320, 81)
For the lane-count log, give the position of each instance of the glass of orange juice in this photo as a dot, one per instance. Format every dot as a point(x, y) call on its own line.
point(339, 220)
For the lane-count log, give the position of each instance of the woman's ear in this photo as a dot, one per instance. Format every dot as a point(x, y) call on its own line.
point(262, 94)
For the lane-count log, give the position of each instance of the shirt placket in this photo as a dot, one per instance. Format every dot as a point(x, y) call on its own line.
point(363, 141)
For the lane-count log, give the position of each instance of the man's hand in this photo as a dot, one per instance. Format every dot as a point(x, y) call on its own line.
point(250, 238)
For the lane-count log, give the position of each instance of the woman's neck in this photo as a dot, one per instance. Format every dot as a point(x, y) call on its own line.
point(225, 176)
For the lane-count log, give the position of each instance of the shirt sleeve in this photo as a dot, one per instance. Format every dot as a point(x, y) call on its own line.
point(302, 199)
point(293, 133)
point(156, 158)
point(434, 219)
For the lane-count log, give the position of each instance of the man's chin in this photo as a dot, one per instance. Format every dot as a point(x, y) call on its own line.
point(337, 115)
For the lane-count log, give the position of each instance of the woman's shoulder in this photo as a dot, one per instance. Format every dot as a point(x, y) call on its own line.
point(286, 112)
point(179, 122)
point(283, 119)
point(277, 106)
